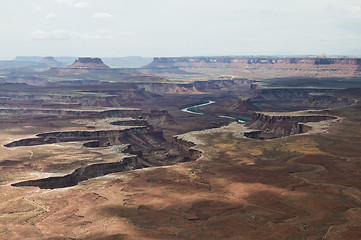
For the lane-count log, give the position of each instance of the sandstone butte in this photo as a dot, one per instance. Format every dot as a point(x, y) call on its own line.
point(87, 62)
point(50, 61)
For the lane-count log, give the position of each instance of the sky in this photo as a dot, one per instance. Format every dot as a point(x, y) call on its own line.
point(149, 28)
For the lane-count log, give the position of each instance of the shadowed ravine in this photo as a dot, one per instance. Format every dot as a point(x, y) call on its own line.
point(82, 174)
point(186, 153)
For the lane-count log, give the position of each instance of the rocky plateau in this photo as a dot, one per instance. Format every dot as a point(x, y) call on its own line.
point(183, 148)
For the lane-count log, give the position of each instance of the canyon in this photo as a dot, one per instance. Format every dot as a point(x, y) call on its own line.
point(182, 148)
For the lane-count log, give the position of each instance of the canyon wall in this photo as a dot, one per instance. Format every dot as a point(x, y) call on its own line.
point(82, 174)
point(136, 161)
point(77, 113)
point(264, 67)
point(242, 61)
point(74, 136)
point(197, 86)
point(272, 125)
point(186, 148)
point(295, 99)
point(181, 151)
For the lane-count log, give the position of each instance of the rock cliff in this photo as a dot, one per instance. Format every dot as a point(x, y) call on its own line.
point(110, 137)
point(74, 113)
point(241, 61)
point(181, 151)
point(88, 63)
point(146, 147)
point(186, 148)
point(272, 125)
point(295, 99)
point(263, 66)
point(51, 62)
point(196, 87)
point(82, 174)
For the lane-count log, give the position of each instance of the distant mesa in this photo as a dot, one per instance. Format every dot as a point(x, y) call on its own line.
point(88, 63)
point(263, 66)
point(51, 62)
point(244, 61)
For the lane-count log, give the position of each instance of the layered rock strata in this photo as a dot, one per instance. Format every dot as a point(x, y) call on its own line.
point(86, 62)
point(272, 125)
point(295, 99)
point(77, 113)
point(82, 174)
point(198, 86)
point(110, 136)
point(264, 66)
point(186, 147)
point(241, 61)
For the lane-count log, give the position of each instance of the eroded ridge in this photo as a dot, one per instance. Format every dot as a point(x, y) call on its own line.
point(107, 137)
point(277, 124)
point(145, 147)
point(181, 151)
point(82, 174)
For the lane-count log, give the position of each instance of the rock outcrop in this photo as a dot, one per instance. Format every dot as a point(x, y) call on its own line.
point(244, 106)
point(92, 63)
point(288, 94)
point(295, 99)
point(272, 125)
point(82, 174)
point(77, 113)
point(325, 101)
point(241, 61)
point(186, 148)
point(51, 62)
point(181, 151)
point(158, 117)
point(198, 86)
point(130, 122)
point(144, 146)
point(263, 66)
point(110, 137)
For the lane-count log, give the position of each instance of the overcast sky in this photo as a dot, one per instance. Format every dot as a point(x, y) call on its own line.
point(111, 28)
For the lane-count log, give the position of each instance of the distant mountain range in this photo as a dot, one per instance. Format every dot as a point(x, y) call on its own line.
point(123, 62)
point(39, 63)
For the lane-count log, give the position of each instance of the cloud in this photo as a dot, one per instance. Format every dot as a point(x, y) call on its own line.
point(38, 7)
point(126, 34)
point(50, 35)
point(65, 35)
point(69, 3)
point(72, 3)
point(81, 5)
point(353, 11)
point(50, 15)
point(345, 9)
point(103, 15)
point(99, 34)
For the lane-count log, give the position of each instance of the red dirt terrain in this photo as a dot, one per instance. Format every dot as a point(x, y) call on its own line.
point(137, 160)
